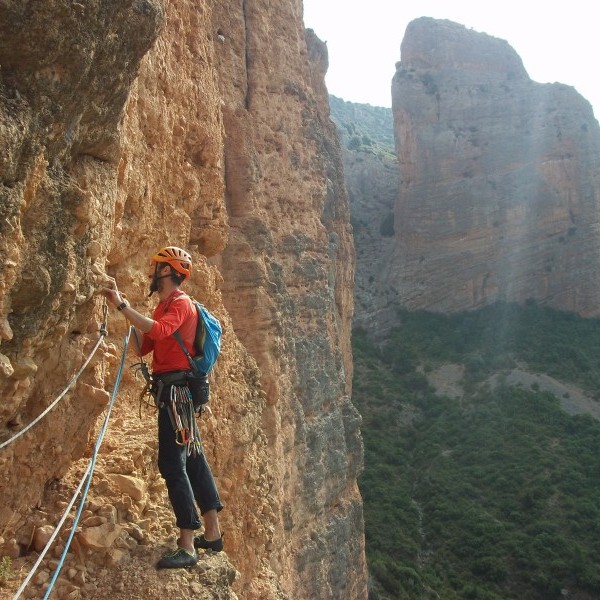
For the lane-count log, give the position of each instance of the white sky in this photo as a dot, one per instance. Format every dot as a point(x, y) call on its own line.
point(556, 40)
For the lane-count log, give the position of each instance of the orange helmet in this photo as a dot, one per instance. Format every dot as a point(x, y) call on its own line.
point(179, 259)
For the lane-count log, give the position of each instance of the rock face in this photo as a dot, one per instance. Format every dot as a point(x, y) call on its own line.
point(125, 127)
point(499, 179)
point(372, 180)
point(288, 270)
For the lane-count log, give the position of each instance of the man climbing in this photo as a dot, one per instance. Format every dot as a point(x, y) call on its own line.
point(182, 465)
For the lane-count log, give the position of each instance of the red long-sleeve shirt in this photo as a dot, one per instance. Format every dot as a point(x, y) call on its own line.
point(174, 312)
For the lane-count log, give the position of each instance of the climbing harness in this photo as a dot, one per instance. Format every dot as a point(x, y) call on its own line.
point(179, 405)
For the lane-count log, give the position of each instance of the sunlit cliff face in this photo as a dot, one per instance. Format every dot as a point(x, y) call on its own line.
point(132, 127)
point(499, 185)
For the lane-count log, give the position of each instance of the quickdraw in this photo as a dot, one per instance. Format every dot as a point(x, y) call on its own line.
point(147, 392)
point(181, 414)
point(103, 329)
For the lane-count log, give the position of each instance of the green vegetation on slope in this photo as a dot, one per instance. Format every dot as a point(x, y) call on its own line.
point(363, 127)
point(492, 496)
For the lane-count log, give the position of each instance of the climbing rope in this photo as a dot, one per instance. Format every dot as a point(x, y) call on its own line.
point(53, 536)
point(87, 478)
point(72, 382)
point(92, 465)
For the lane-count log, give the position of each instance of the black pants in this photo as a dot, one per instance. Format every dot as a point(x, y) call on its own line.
point(188, 478)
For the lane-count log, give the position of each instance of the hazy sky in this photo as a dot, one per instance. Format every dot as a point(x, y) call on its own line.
point(557, 41)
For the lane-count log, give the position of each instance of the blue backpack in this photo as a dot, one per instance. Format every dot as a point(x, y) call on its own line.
point(207, 341)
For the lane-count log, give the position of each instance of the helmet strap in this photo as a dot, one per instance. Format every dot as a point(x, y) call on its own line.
point(154, 285)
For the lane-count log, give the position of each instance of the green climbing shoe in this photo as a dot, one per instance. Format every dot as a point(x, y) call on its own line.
point(177, 559)
point(201, 542)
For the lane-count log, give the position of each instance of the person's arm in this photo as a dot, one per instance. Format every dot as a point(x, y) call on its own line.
point(140, 322)
point(141, 343)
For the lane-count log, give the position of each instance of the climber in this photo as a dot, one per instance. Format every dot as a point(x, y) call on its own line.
point(187, 474)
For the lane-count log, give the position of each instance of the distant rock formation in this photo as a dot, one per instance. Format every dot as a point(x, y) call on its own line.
point(372, 180)
point(495, 190)
point(499, 179)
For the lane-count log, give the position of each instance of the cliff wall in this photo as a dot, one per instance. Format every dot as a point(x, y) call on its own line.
point(499, 179)
point(372, 180)
point(126, 127)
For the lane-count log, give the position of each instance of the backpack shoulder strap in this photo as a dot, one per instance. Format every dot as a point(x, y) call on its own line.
point(179, 339)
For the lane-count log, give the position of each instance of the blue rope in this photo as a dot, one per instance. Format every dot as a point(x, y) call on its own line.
point(92, 464)
point(53, 536)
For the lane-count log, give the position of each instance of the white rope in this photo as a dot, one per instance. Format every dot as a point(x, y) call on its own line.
point(87, 477)
point(71, 383)
point(92, 464)
point(53, 536)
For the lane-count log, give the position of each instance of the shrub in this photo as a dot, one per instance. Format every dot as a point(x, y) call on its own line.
point(494, 495)
point(5, 570)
